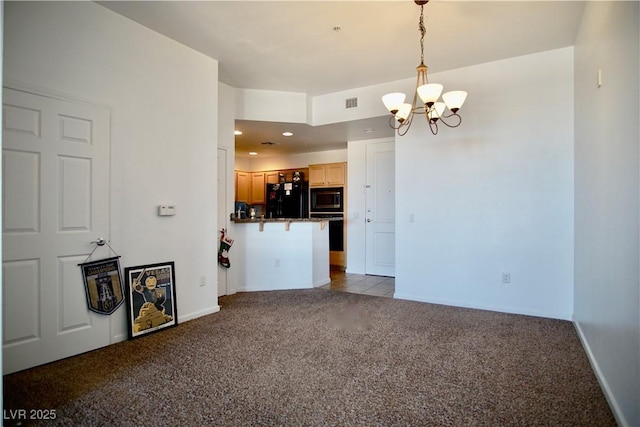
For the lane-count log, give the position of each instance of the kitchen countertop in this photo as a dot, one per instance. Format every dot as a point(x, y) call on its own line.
point(278, 220)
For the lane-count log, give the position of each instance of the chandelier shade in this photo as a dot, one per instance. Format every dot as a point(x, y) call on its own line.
point(393, 101)
point(426, 97)
point(403, 112)
point(430, 93)
point(454, 99)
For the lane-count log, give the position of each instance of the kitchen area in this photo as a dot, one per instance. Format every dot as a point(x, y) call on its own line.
point(289, 226)
point(313, 195)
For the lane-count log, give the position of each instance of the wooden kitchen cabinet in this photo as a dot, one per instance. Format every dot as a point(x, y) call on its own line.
point(251, 186)
point(272, 177)
point(243, 187)
point(258, 188)
point(328, 175)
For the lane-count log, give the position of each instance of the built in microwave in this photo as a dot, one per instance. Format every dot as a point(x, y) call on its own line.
point(326, 199)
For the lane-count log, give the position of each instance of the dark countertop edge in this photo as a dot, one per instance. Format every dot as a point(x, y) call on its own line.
point(280, 220)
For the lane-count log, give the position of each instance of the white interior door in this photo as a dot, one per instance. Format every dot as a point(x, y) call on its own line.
point(222, 213)
point(55, 203)
point(380, 209)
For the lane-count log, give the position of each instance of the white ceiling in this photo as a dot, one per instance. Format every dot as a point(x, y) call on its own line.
point(292, 46)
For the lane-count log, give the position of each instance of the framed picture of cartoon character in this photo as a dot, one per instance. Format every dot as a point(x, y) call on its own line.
point(151, 295)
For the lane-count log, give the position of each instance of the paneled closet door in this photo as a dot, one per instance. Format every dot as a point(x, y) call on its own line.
point(55, 203)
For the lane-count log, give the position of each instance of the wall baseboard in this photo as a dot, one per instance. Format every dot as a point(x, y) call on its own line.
point(195, 315)
point(467, 304)
point(604, 385)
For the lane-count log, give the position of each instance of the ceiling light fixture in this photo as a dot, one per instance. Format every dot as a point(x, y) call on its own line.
point(287, 133)
point(237, 132)
point(434, 111)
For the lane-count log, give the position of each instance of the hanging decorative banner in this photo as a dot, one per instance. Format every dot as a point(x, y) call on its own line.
point(103, 285)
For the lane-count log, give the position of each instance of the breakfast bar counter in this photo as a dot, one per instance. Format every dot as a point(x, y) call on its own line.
point(281, 253)
point(284, 220)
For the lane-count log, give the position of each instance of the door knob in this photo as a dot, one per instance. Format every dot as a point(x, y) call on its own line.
point(368, 219)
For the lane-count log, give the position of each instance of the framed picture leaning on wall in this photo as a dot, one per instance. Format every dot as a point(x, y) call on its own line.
point(151, 296)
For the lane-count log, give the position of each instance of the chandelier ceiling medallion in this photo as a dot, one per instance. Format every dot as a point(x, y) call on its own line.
point(434, 111)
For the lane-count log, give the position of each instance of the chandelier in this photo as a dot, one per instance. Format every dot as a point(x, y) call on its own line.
point(434, 111)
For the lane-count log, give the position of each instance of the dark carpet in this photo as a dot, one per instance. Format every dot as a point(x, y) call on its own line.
point(324, 358)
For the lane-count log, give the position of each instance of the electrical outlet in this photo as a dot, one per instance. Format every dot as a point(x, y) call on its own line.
point(203, 280)
point(506, 277)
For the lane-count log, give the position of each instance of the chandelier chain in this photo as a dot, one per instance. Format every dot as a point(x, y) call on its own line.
point(423, 30)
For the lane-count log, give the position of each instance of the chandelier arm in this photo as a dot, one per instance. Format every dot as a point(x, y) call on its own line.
point(406, 129)
point(452, 125)
point(392, 123)
point(406, 124)
point(401, 128)
point(433, 126)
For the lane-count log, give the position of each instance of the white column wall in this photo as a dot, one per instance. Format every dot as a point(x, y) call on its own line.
point(163, 101)
point(607, 223)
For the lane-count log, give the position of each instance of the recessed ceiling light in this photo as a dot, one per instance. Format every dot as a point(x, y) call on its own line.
point(253, 153)
point(237, 132)
point(287, 133)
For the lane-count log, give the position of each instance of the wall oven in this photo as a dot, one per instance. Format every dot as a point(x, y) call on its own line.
point(336, 230)
point(326, 199)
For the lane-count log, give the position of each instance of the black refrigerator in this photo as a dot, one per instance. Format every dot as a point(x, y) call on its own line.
point(288, 200)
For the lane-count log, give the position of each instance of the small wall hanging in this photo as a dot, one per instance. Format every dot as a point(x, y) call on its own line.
point(102, 282)
point(223, 251)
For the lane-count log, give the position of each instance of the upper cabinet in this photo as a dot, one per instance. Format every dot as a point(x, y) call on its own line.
point(243, 186)
point(258, 188)
point(272, 177)
point(328, 175)
point(251, 187)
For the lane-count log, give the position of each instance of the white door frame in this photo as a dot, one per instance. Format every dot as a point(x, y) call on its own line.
point(380, 208)
point(222, 214)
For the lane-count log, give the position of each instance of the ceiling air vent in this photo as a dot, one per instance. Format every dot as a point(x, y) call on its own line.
point(351, 103)
point(268, 143)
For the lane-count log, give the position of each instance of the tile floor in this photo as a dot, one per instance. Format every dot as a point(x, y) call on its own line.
point(381, 286)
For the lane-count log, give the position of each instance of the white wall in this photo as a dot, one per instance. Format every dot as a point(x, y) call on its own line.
point(494, 195)
point(271, 106)
point(607, 225)
point(330, 108)
point(1, 174)
point(163, 101)
point(293, 161)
